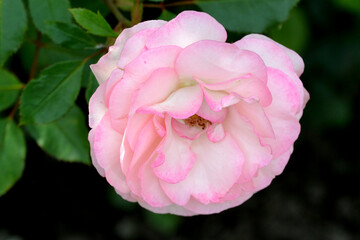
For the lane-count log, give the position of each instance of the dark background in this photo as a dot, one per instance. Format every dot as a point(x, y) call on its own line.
point(317, 196)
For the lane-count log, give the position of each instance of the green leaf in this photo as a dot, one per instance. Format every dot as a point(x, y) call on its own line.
point(12, 154)
point(50, 54)
point(64, 139)
point(70, 35)
point(13, 22)
point(92, 22)
point(91, 87)
point(9, 89)
point(294, 33)
point(52, 94)
point(43, 11)
point(95, 5)
point(245, 16)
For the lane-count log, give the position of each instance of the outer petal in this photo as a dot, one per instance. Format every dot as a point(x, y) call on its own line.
point(188, 27)
point(286, 96)
point(107, 63)
point(107, 151)
point(305, 100)
point(93, 158)
point(175, 158)
point(282, 112)
point(213, 62)
point(296, 60)
point(146, 142)
point(97, 107)
point(266, 174)
point(182, 104)
point(287, 129)
point(114, 78)
point(274, 56)
point(173, 209)
point(270, 51)
point(134, 127)
point(216, 169)
point(256, 155)
point(134, 46)
point(151, 190)
point(199, 208)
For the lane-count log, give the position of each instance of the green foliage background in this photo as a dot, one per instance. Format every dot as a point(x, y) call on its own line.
point(46, 47)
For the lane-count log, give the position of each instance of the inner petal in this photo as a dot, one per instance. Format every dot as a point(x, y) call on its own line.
point(190, 128)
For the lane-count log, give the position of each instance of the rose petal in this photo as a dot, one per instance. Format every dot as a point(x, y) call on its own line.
point(286, 129)
point(256, 155)
point(151, 190)
point(134, 46)
point(146, 142)
point(107, 152)
point(159, 125)
point(94, 161)
point(270, 52)
point(208, 114)
point(186, 131)
point(246, 86)
point(286, 96)
point(188, 27)
point(214, 62)
point(266, 174)
point(173, 209)
point(282, 112)
point(181, 104)
point(114, 78)
point(216, 168)
point(274, 56)
point(214, 98)
point(257, 117)
point(148, 62)
point(215, 133)
point(296, 60)
point(107, 63)
point(135, 126)
point(199, 208)
point(97, 107)
point(253, 88)
point(162, 81)
point(304, 102)
point(175, 157)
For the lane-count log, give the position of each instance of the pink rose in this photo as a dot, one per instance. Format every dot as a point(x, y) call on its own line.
point(185, 123)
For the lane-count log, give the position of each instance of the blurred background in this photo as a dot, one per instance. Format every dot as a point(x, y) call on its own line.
point(316, 197)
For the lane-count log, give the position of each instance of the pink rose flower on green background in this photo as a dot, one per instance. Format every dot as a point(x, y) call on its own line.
point(185, 123)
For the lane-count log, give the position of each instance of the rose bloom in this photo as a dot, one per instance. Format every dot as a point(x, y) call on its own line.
point(187, 124)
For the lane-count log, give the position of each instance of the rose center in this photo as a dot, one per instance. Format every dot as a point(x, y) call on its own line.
point(197, 121)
